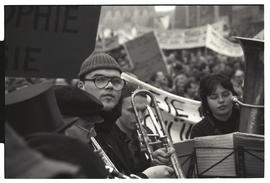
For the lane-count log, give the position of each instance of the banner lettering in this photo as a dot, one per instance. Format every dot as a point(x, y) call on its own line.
point(48, 41)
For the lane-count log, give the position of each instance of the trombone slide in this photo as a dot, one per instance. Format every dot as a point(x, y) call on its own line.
point(162, 134)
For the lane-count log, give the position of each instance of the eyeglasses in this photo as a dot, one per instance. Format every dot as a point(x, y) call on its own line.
point(103, 81)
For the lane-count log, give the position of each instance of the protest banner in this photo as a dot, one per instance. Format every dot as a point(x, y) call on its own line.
point(146, 56)
point(179, 113)
point(216, 42)
point(186, 38)
point(210, 36)
point(180, 38)
point(195, 37)
point(48, 41)
point(171, 39)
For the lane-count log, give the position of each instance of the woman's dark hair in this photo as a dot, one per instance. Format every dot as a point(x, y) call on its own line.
point(208, 84)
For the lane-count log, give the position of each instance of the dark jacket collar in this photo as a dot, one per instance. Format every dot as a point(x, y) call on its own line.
point(232, 122)
point(110, 118)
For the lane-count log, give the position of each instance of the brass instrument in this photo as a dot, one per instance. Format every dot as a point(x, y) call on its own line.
point(162, 136)
point(252, 118)
point(109, 164)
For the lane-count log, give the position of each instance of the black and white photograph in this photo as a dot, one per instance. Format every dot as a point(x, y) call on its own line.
point(134, 91)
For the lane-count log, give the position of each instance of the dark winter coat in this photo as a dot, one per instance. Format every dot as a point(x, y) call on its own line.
point(212, 126)
point(116, 145)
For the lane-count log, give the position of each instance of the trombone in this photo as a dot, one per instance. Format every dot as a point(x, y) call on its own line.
point(162, 135)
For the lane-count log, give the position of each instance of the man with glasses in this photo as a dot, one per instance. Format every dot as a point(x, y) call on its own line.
point(100, 77)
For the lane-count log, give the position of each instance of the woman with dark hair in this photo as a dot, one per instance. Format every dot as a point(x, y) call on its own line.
point(221, 116)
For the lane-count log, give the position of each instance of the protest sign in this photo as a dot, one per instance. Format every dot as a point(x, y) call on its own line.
point(48, 41)
point(179, 113)
point(216, 42)
point(146, 56)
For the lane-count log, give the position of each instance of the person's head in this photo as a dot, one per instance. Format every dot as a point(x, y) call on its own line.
point(160, 78)
point(191, 88)
point(128, 120)
point(239, 76)
point(100, 76)
point(204, 68)
point(192, 57)
point(216, 91)
point(180, 82)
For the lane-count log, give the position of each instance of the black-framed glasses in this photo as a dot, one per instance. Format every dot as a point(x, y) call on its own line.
point(102, 81)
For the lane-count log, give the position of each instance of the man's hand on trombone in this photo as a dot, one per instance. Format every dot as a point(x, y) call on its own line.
point(162, 157)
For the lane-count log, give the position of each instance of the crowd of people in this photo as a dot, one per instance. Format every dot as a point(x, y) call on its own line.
point(186, 67)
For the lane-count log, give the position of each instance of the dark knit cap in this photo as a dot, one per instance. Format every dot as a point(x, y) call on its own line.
point(98, 60)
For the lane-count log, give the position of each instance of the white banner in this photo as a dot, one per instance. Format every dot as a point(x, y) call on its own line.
point(211, 36)
point(195, 37)
point(205, 36)
point(182, 38)
point(171, 39)
point(179, 113)
point(216, 42)
point(186, 38)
